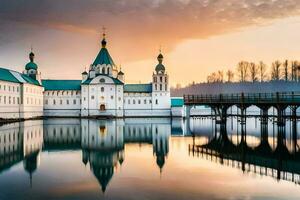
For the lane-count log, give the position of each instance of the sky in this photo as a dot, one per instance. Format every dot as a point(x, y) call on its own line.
point(197, 36)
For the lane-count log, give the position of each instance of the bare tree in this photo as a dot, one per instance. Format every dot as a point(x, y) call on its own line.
point(254, 71)
point(276, 70)
point(294, 70)
point(262, 67)
point(243, 71)
point(230, 76)
point(220, 76)
point(286, 70)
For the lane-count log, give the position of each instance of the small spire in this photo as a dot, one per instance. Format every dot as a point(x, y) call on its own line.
point(103, 42)
point(31, 54)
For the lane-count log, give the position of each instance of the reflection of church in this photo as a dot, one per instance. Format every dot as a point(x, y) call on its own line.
point(102, 142)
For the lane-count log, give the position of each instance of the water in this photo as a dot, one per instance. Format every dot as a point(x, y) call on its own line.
point(149, 159)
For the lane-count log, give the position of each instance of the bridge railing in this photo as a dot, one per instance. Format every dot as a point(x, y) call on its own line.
point(282, 97)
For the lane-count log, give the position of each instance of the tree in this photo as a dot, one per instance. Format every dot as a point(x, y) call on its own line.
point(276, 70)
point(230, 76)
point(286, 70)
point(220, 76)
point(242, 70)
point(294, 70)
point(262, 67)
point(254, 71)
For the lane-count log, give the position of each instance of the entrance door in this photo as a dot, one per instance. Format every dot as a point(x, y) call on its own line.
point(102, 107)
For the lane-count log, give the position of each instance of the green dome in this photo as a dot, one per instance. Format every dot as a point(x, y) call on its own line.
point(31, 65)
point(159, 67)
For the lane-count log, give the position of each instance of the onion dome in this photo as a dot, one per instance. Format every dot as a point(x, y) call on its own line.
point(160, 67)
point(31, 64)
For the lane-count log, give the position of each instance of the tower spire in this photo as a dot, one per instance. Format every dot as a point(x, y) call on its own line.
point(103, 42)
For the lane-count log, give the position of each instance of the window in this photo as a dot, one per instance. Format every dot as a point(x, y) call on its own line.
point(68, 102)
point(155, 86)
point(150, 101)
point(46, 101)
point(102, 80)
point(166, 79)
point(74, 101)
point(154, 79)
point(92, 97)
point(61, 102)
point(128, 101)
point(112, 97)
point(102, 89)
point(160, 87)
point(161, 79)
point(119, 98)
point(133, 101)
point(54, 102)
point(145, 101)
point(156, 101)
point(139, 101)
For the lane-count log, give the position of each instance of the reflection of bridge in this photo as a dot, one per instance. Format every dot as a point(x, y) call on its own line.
point(262, 159)
point(220, 103)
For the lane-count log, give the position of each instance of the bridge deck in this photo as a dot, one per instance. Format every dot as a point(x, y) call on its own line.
point(288, 98)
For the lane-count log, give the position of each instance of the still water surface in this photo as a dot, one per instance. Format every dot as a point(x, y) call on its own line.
point(149, 159)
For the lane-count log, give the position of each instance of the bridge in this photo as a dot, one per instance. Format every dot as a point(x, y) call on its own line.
point(220, 103)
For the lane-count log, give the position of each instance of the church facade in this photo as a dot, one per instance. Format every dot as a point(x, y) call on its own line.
point(101, 92)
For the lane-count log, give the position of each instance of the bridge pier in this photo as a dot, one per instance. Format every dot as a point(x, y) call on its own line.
point(220, 113)
point(281, 115)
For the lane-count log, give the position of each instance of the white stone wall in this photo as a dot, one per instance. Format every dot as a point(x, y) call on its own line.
point(32, 101)
point(23, 101)
point(102, 91)
point(62, 103)
point(10, 97)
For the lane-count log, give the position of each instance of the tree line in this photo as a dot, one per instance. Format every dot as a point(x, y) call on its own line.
point(258, 72)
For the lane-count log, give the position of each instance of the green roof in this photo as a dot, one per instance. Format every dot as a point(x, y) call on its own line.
point(115, 80)
point(177, 102)
point(61, 84)
point(31, 65)
point(103, 58)
point(5, 75)
point(160, 67)
point(138, 88)
point(16, 77)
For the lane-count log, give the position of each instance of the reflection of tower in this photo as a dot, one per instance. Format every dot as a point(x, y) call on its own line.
point(102, 147)
point(30, 164)
point(160, 144)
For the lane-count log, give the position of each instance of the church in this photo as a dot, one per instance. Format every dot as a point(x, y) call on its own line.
point(101, 92)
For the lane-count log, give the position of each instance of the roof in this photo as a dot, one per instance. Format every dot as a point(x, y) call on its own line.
point(177, 102)
point(31, 65)
point(103, 58)
point(160, 67)
point(16, 77)
point(61, 84)
point(116, 81)
point(138, 88)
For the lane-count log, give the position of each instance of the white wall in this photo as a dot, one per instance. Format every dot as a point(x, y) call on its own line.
point(62, 103)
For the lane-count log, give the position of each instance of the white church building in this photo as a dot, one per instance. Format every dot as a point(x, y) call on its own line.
point(101, 92)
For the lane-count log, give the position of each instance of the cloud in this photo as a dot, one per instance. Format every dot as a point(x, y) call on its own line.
point(138, 25)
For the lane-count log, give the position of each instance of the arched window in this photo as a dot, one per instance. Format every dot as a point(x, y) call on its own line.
point(108, 70)
point(156, 101)
point(103, 70)
point(102, 89)
point(102, 80)
point(160, 87)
